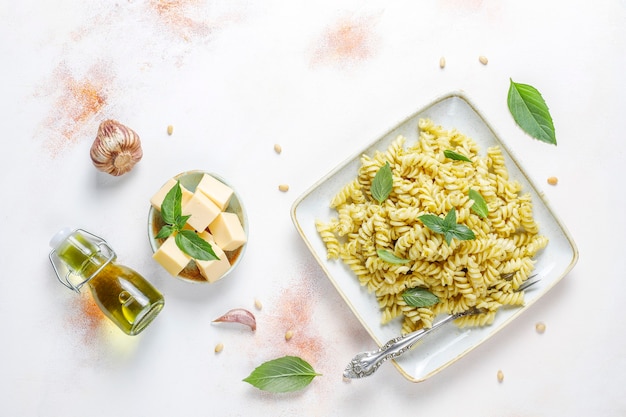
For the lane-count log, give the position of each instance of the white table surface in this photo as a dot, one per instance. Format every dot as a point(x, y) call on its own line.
point(321, 79)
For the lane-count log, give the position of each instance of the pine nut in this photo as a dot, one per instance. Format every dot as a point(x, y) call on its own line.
point(283, 187)
point(553, 180)
point(257, 304)
point(170, 130)
point(483, 59)
point(288, 334)
point(219, 347)
point(500, 376)
point(277, 148)
point(442, 62)
point(540, 327)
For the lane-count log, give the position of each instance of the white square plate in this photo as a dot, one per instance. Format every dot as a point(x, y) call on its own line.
point(448, 344)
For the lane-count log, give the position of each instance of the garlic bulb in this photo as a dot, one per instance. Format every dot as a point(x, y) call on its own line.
point(117, 148)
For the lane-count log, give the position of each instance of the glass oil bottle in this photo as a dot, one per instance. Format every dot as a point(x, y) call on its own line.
point(80, 258)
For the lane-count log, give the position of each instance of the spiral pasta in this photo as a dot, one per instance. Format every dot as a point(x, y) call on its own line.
point(484, 272)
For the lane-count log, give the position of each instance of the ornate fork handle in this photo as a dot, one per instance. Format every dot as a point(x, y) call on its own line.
point(366, 363)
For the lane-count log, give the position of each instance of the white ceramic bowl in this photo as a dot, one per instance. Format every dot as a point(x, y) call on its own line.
point(190, 180)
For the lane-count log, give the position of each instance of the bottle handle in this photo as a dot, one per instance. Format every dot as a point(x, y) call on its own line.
point(59, 266)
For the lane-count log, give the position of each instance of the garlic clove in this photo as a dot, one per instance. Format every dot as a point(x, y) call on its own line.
point(116, 149)
point(238, 315)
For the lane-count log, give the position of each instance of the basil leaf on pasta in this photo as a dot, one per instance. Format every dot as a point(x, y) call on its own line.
point(455, 156)
point(480, 205)
point(387, 256)
point(434, 223)
point(382, 184)
point(460, 232)
point(450, 220)
point(448, 226)
point(419, 297)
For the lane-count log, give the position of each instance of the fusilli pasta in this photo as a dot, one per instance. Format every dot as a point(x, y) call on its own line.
point(484, 272)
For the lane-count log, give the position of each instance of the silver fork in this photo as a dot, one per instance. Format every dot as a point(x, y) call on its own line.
point(366, 363)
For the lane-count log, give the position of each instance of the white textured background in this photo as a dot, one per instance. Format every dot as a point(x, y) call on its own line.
point(322, 79)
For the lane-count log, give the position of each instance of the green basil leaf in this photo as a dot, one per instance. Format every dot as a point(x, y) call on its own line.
point(530, 112)
point(181, 221)
point(382, 184)
point(419, 297)
point(171, 205)
point(460, 232)
point(193, 245)
point(165, 232)
point(286, 374)
point(480, 205)
point(387, 256)
point(450, 220)
point(434, 223)
point(456, 156)
point(448, 226)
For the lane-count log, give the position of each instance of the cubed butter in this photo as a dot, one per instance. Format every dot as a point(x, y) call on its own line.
point(202, 210)
point(213, 270)
point(227, 231)
point(216, 190)
point(206, 235)
point(157, 199)
point(171, 257)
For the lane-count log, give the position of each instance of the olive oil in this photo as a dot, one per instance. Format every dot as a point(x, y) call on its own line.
point(124, 297)
point(122, 294)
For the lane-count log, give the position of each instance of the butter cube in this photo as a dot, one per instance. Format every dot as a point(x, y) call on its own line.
point(213, 270)
point(159, 196)
point(216, 190)
point(171, 257)
point(202, 210)
point(227, 231)
point(206, 235)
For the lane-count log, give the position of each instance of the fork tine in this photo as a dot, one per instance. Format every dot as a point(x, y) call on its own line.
point(532, 280)
point(508, 276)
